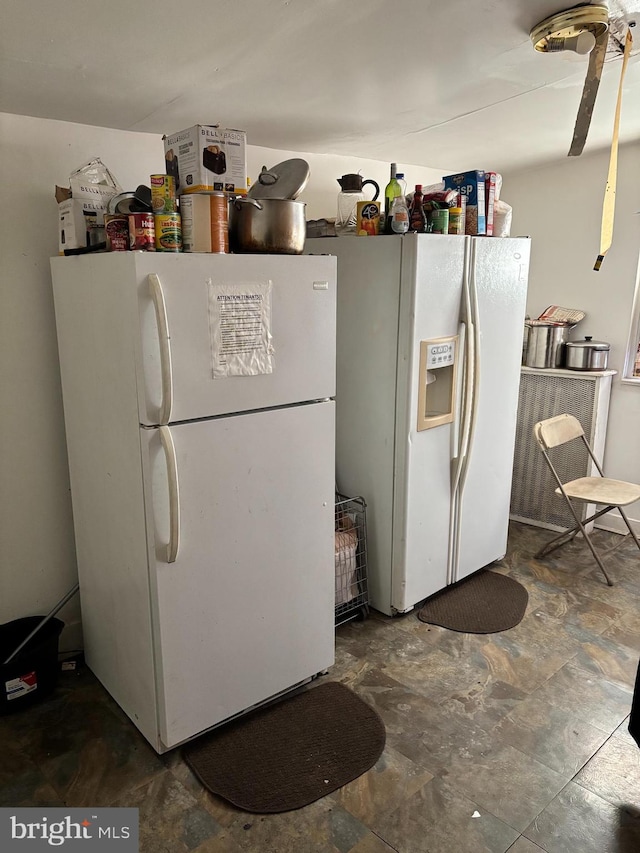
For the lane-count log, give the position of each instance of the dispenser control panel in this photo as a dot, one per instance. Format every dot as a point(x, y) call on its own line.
point(441, 354)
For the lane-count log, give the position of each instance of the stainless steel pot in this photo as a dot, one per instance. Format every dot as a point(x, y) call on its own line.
point(545, 344)
point(267, 226)
point(587, 355)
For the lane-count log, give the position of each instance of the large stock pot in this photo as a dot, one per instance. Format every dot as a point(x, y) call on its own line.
point(267, 226)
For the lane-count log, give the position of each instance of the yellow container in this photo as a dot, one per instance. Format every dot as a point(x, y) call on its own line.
point(368, 218)
point(456, 220)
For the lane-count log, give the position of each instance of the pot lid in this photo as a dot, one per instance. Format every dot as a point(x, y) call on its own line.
point(588, 343)
point(285, 180)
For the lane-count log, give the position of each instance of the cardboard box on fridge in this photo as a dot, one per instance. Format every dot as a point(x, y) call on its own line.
point(81, 216)
point(207, 157)
point(490, 184)
point(472, 185)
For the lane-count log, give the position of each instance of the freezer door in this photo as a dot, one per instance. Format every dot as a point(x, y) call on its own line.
point(432, 275)
point(181, 340)
point(501, 290)
point(246, 609)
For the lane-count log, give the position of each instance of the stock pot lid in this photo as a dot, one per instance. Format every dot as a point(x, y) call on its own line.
point(285, 180)
point(587, 343)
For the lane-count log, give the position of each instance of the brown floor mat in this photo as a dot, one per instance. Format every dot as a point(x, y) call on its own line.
point(484, 603)
point(290, 754)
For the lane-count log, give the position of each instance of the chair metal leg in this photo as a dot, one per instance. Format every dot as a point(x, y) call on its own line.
point(597, 557)
point(626, 521)
point(587, 538)
point(565, 537)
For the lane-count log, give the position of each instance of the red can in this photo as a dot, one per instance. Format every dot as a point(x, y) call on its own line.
point(142, 232)
point(116, 231)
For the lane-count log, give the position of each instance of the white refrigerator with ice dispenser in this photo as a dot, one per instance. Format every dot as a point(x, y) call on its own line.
point(429, 347)
point(198, 400)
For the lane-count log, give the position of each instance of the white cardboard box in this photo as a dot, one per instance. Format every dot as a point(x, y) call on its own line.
point(81, 223)
point(207, 157)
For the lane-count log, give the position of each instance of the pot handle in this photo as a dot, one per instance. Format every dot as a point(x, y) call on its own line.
point(267, 178)
point(240, 200)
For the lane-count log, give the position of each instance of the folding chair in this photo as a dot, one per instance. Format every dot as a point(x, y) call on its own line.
point(613, 494)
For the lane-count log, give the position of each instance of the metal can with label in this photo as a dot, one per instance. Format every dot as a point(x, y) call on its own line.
point(168, 232)
point(142, 235)
point(163, 194)
point(116, 232)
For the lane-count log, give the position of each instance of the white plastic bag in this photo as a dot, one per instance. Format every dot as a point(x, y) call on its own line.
point(502, 213)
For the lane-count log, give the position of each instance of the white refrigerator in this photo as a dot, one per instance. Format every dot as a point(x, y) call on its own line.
point(198, 401)
point(429, 347)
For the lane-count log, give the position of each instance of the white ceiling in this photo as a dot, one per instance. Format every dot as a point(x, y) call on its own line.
point(443, 83)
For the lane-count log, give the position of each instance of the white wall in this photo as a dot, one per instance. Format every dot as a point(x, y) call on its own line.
point(560, 206)
point(37, 557)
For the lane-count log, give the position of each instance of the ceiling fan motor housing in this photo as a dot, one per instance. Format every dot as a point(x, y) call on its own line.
point(575, 29)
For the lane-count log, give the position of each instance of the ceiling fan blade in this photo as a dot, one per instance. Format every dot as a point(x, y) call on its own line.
point(609, 204)
point(589, 92)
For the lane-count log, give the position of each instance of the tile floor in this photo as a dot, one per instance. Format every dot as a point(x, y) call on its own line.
point(505, 742)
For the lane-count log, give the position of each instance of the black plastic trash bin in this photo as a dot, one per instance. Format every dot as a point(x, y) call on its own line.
point(33, 673)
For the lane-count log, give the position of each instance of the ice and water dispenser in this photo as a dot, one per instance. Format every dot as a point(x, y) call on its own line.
point(438, 366)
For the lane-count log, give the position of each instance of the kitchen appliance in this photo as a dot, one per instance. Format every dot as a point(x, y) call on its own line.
point(200, 431)
point(428, 364)
point(269, 220)
point(267, 226)
point(544, 343)
point(351, 192)
point(586, 354)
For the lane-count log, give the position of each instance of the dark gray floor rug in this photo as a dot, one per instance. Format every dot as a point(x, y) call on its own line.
point(291, 753)
point(485, 603)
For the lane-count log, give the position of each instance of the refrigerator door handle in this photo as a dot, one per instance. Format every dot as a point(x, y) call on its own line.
point(157, 295)
point(475, 358)
point(174, 493)
point(458, 467)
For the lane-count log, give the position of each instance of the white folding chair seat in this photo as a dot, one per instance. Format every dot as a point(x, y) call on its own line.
point(602, 491)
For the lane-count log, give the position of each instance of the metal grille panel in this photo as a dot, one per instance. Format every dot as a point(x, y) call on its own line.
point(533, 495)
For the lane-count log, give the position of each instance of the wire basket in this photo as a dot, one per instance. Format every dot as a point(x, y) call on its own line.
point(352, 593)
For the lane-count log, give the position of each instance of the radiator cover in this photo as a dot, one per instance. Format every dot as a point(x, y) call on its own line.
point(543, 394)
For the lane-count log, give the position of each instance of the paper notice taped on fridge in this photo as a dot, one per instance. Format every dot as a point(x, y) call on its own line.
point(240, 328)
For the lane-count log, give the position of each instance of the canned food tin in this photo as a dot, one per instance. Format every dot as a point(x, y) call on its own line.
point(439, 221)
point(142, 232)
point(205, 222)
point(219, 223)
point(168, 232)
point(163, 194)
point(116, 231)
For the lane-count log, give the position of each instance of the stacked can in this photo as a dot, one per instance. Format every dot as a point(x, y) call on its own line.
point(205, 222)
point(141, 232)
point(168, 230)
point(116, 232)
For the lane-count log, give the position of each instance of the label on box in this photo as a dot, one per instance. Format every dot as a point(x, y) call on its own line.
point(205, 158)
point(17, 687)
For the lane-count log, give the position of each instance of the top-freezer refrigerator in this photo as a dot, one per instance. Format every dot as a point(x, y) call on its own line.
point(429, 346)
point(198, 399)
